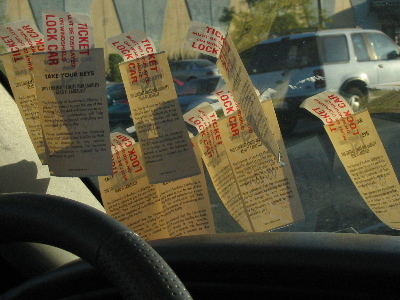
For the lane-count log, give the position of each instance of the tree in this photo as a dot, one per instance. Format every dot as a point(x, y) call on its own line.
point(227, 15)
point(114, 74)
point(266, 18)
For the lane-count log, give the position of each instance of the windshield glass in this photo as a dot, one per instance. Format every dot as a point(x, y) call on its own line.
point(247, 155)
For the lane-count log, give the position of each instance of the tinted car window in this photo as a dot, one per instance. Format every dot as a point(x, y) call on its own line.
point(334, 49)
point(204, 64)
point(284, 55)
point(360, 48)
point(185, 66)
point(199, 86)
point(117, 91)
point(180, 66)
point(174, 66)
point(382, 45)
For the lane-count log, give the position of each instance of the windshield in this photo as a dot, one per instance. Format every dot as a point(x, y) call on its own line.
point(239, 160)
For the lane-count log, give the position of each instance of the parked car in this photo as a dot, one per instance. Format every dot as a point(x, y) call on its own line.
point(118, 107)
point(291, 68)
point(197, 91)
point(193, 68)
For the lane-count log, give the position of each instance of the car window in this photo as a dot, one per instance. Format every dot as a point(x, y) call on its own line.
point(285, 54)
point(174, 66)
point(383, 46)
point(117, 91)
point(181, 66)
point(335, 49)
point(199, 86)
point(204, 63)
point(185, 66)
point(360, 48)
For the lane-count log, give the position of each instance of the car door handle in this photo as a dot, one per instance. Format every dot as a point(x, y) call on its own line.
point(380, 66)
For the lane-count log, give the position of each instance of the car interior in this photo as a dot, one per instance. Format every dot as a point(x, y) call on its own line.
point(309, 222)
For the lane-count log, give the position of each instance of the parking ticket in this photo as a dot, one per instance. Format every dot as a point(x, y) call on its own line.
point(361, 151)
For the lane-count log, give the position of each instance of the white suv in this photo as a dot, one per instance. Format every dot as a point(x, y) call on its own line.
point(292, 68)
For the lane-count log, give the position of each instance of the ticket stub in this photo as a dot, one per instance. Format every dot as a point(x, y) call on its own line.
point(64, 32)
point(362, 153)
point(226, 100)
point(204, 118)
point(328, 107)
point(133, 44)
point(127, 194)
point(19, 35)
point(73, 113)
point(204, 39)
point(187, 204)
point(214, 155)
point(70, 87)
point(21, 39)
point(266, 186)
point(165, 143)
point(244, 93)
point(154, 211)
point(258, 191)
point(127, 162)
point(21, 79)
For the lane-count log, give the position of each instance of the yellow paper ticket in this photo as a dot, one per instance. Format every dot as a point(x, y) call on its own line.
point(214, 155)
point(361, 151)
point(154, 211)
point(21, 40)
point(22, 82)
point(132, 45)
point(206, 39)
point(165, 143)
point(257, 190)
point(267, 187)
point(127, 195)
point(187, 205)
point(66, 32)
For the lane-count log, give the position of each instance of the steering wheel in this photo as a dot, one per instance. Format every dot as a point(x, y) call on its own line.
point(124, 257)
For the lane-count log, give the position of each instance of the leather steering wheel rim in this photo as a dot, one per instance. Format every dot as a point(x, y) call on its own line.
point(124, 257)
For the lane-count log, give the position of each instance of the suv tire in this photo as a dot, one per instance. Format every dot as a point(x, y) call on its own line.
point(356, 98)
